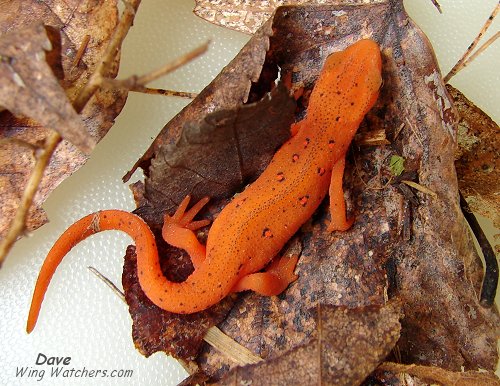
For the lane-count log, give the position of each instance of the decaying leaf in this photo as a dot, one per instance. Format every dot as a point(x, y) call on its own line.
point(345, 347)
point(71, 41)
point(478, 157)
point(419, 251)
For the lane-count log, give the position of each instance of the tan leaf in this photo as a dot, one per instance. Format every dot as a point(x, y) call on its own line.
point(248, 16)
point(30, 89)
point(76, 32)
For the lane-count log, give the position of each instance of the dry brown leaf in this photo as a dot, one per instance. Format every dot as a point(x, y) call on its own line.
point(478, 157)
point(30, 89)
point(78, 33)
point(419, 250)
point(248, 16)
point(346, 346)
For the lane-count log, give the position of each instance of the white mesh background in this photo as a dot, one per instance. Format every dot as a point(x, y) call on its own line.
point(81, 318)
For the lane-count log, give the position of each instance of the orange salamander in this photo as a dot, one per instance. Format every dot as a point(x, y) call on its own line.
point(257, 223)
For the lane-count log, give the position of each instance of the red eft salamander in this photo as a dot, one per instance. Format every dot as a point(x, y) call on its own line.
point(258, 222)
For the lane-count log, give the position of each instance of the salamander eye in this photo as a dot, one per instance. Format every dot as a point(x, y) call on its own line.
point(280, 177)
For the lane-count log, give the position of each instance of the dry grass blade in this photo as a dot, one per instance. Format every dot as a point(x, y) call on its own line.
point(229, 347)
point(463, 60)
point(420, 188)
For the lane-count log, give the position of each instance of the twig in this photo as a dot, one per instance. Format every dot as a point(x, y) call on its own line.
point(437, 5)
point(480, 50)
point(490, 280)
point(214, 336)
point(159, 91)
point(95, 80)
point(137, 83)
point(17, 226)
point(109, 283)
point(460, 64)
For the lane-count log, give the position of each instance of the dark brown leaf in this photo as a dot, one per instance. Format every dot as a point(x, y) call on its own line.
point(156, 330)
point(239, 144)
point(346, 346)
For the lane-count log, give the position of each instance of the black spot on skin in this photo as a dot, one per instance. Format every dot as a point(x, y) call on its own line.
point(337, 118)
point(161, 300)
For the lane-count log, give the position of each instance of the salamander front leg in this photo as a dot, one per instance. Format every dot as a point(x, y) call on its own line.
point(339, 221)
point(273, 281)
point(178, 230)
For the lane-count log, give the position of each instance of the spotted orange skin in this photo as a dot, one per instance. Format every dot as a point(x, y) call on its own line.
point(256, 224)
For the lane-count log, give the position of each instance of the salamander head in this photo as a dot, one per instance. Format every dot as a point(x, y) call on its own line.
point(350, 81)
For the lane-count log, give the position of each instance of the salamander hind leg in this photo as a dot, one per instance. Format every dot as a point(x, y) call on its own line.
point(178, 230)
point(339, 221)
point(273, 281)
